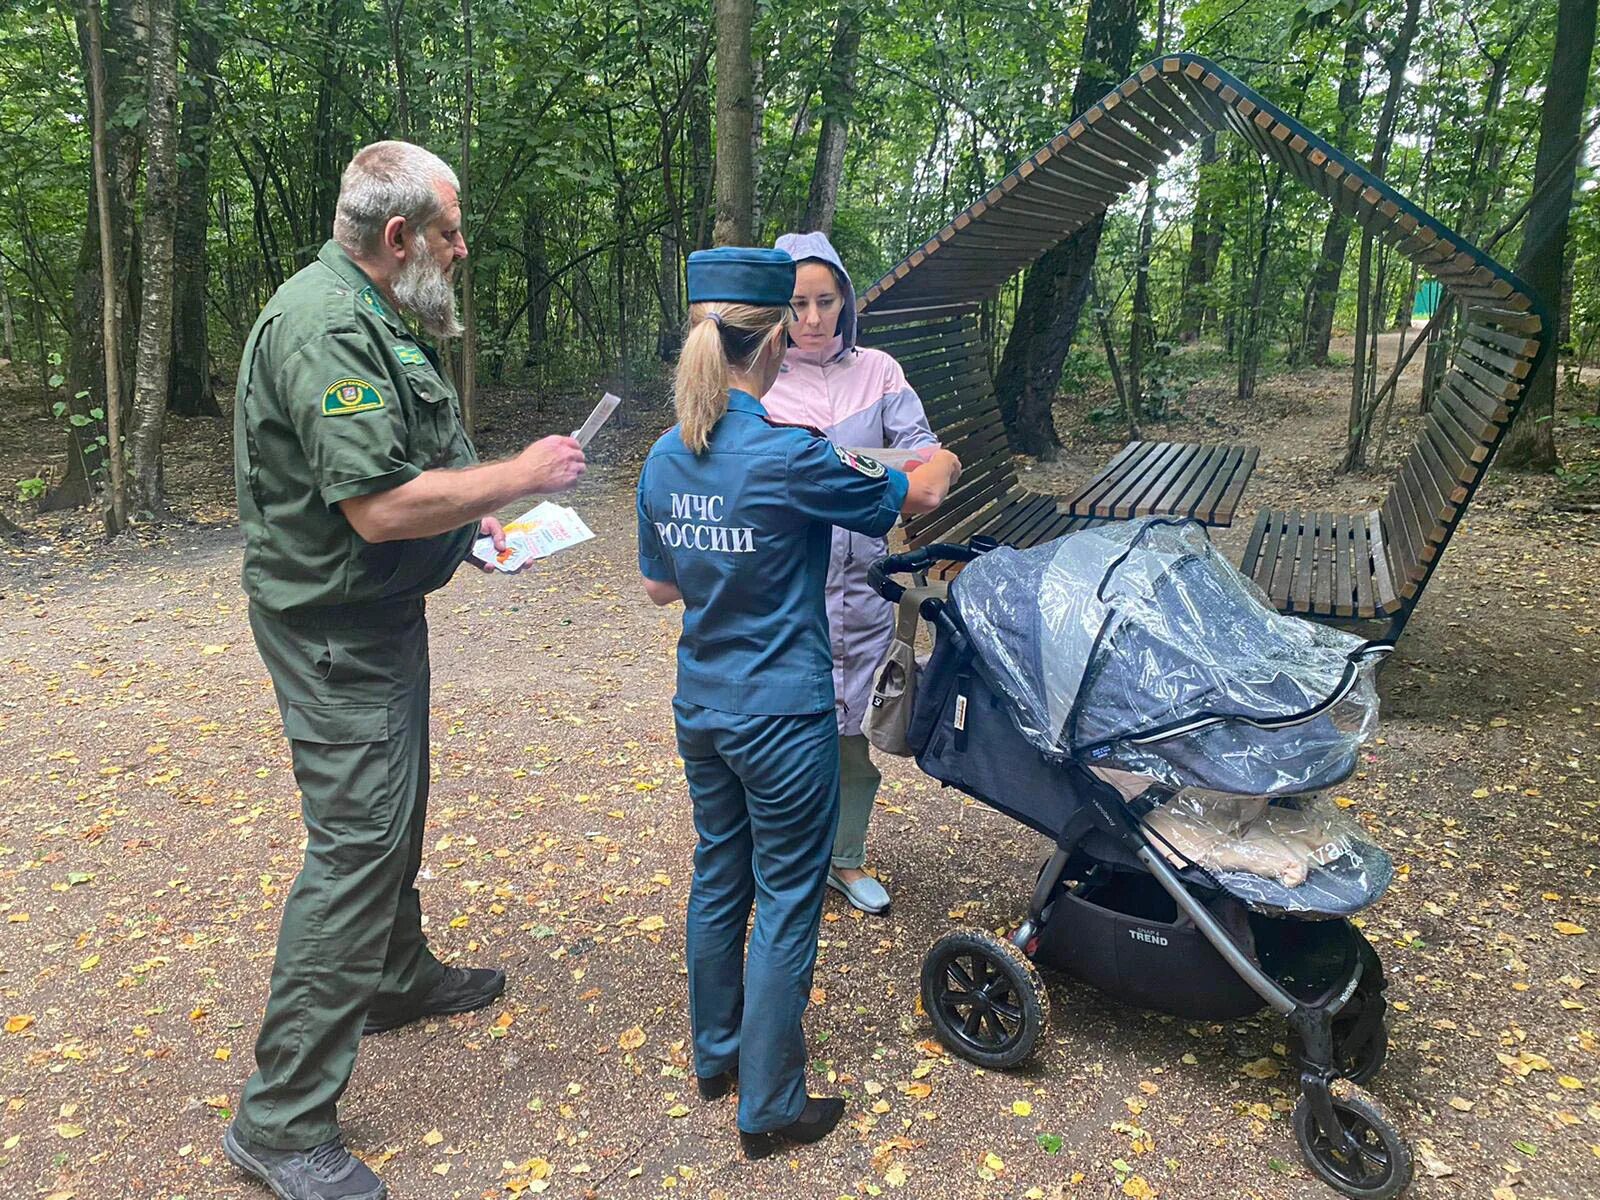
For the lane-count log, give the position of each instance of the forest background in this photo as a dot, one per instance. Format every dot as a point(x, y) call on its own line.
point(600, 143)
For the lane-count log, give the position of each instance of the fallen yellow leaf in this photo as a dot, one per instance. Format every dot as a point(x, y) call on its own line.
point(69, 1131)
point(1022, 1108)
point(432, 1138)
point(1461, 1104)
point(1569, 928)
point(1261, 1068)
point(1570, 1082)
point(631, 1039)
point(651, 924)
point(19, 1022)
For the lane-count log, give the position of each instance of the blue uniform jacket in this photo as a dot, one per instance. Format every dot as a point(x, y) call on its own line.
point(743, 531)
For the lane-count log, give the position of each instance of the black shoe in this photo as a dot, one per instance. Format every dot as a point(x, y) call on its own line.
point(325, 1172)
point(459, 990)
point(715, 1087)
point(816, 1121)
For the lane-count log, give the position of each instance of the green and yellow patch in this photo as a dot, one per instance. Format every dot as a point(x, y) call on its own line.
point(369, 296)
point(350, 396)
point(410, 355)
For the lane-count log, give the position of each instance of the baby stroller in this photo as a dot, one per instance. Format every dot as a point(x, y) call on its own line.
point(1129, 694)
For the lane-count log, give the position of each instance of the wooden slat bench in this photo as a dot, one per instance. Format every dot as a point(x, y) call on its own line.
point(1327, 565)
point(1176, 479)
point(1374, 565)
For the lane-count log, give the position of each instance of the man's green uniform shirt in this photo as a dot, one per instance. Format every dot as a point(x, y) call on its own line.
point(336, 399)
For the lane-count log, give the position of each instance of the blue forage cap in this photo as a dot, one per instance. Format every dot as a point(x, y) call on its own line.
point(741, 275)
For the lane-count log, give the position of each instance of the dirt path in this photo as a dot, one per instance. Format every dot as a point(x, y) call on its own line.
point(151, 829)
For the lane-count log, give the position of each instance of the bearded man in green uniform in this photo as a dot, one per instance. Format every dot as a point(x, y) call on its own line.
point(359, 493)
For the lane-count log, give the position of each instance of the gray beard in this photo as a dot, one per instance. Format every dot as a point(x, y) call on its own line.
point(424, 291)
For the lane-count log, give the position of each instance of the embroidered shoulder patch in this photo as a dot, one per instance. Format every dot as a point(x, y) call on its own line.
point(350, 396)
point(870, 467)
point(369, 296)
point(410, 355)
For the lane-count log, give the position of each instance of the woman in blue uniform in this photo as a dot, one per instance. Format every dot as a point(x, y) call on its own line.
point(735, 519)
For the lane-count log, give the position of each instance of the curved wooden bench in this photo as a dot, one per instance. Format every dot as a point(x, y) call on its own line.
point(1325, 565)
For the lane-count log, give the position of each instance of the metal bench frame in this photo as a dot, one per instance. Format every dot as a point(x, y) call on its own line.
point(925, 312)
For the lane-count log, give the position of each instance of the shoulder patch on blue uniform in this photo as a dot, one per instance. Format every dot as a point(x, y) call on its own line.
point(410, 355)
point(350, 396)
point(870, 467)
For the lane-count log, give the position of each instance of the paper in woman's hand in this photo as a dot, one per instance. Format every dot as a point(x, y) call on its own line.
point(900, 460)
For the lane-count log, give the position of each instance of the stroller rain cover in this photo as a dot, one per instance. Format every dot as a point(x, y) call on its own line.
point(1136, 645)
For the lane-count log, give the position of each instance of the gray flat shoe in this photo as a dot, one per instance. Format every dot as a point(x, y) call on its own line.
point(866, 893)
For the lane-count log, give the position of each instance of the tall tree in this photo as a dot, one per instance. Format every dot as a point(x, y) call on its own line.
point(1205, 244)
point(1395, 61)
point(189, 390)
point(1531, 442)
point(111, 39)
point(838, 93)
point(1323, 294)
point(156, 234)
point(1055, 287)
point(467, 375)
point(735, 114)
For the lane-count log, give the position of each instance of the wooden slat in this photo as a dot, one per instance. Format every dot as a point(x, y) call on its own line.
point(1155, 496)
point(1492, 382)
point(1120, 502)
point(1305, 557)
point(1518, 345)
point(1344, 591)
point(1361, 565)
point(1083, 503)
point(1503, 364)
point(1491, 408)
point(1327, 546)
point(1187, 489)
point(1023, 507)
point(1456, 471)
point(1473, 423)
point(932, 331)
point(1384, 593)
point(1278, 559)
point(1450, 492)
point(1211, 500)
point(1448, 431)
point(1222, 514)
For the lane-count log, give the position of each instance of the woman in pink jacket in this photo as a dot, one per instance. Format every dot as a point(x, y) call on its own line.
point(860, 399)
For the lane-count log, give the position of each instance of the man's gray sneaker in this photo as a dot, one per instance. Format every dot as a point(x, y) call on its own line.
point(325, 1172)
point(458, 990)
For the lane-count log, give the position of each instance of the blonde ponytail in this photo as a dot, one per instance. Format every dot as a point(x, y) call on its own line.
point(722, 336)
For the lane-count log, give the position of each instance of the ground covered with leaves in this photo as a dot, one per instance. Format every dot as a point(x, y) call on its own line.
point(151, 831)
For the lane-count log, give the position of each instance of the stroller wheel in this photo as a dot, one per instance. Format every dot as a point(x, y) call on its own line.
point(1380, 1166)
point(985, 998)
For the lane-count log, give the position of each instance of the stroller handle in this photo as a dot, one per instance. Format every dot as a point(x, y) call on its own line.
point(880, 573)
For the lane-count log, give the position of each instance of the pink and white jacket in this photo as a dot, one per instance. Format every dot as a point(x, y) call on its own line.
point(860, 399)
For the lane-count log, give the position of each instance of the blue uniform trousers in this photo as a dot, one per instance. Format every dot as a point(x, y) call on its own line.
point(766, 804)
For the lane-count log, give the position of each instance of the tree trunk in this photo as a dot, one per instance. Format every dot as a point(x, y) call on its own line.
point(536, 266)
point(394, 18)
point(1360, 416)
point(838, 93)
point(1251, 341)
point(1531, 443)
point(702, 188)
point(1205, 239)
point(103, 293)
point(155, 252)
point(1323, 293)
point(189, 392)
point(1054, 288)
point(10, 325)
point(1140, 327)
point(467, 378)
point(735, 177)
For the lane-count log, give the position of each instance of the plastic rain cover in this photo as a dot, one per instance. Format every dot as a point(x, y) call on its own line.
point(1136, 645)
point(1296, 856)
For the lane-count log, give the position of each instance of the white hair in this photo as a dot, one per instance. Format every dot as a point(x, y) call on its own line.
point(384, 180)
